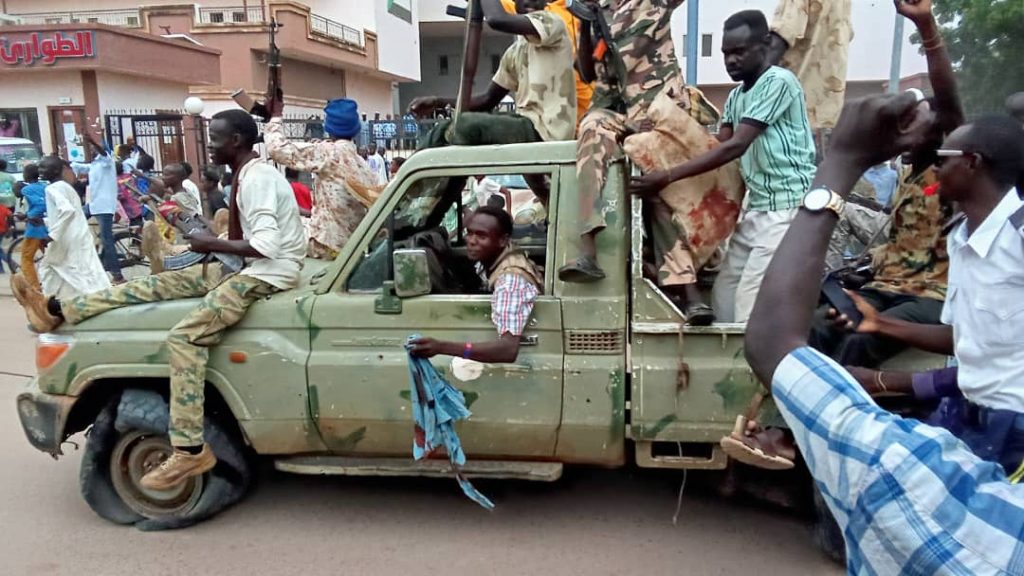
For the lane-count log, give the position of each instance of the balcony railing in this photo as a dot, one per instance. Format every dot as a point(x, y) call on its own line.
point(231, 15)
point(335, 30)
point(128, 18)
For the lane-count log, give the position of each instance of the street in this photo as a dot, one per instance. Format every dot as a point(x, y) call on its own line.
point(591, 522)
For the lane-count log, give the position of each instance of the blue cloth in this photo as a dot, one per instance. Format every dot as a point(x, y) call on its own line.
point(908, 497)
point(102, 183)
point(436, 406)
point(885, 180)
point(35, 197)
point(342, 119)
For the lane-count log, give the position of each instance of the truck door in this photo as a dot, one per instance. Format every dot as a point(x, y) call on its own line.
point(358, 369)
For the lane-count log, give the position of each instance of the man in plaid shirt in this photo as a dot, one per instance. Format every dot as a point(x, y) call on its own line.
point(909, 498)
point(514, 281)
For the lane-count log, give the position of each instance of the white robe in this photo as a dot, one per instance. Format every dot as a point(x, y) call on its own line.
point(71, 266)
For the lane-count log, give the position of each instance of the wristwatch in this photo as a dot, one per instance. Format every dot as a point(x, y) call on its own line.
point(821, 199)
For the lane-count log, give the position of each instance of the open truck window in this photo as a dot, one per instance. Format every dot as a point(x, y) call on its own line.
point(431, 215)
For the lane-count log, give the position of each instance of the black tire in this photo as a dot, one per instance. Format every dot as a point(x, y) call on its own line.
point(13, 255)
point(128, 437)
point(128, 245)
point(827, 535)
point(94, 473)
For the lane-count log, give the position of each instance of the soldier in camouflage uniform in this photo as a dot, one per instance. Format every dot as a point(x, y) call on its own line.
point(633, 69)
point(910, 274)
point(264, 228)
point(536, 70)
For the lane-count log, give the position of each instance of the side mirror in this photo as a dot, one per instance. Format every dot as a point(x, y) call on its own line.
point(412, 272)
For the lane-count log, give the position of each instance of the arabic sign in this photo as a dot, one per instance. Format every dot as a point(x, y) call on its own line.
point(45, 48)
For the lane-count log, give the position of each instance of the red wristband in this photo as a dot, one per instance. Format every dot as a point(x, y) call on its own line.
point(467, 350)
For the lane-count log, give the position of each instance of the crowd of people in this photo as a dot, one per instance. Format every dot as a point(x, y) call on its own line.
point(942, 275)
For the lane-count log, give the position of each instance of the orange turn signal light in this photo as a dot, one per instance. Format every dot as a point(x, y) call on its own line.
point(50, 348)
point(238, 357)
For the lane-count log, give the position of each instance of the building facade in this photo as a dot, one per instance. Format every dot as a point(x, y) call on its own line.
point(151, 58)
point(870, 52)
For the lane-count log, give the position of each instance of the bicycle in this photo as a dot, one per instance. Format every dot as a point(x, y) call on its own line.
point(127, 244)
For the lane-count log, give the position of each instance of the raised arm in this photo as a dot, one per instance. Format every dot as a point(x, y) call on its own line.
point(949, 108)
point(302, 156)
point(489, 100)
point(501, 21)
point(868, 133)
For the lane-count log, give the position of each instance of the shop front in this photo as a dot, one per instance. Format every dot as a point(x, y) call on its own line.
point(55, 80)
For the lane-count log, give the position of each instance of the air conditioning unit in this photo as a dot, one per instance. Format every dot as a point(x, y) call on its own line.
point(9, 20)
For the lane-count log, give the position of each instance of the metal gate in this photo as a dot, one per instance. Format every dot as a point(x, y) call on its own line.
point(161, 135)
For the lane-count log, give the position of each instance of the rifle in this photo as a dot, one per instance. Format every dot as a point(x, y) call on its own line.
point(474, 15)
point(602, 32)
point(273, 79)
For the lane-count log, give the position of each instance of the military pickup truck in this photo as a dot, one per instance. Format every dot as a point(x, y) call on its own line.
point(316, 378)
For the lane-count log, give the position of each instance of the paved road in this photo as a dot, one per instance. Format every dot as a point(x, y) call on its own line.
point(591, 522)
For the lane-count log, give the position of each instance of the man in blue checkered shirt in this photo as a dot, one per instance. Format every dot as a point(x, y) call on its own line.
point(909, 498)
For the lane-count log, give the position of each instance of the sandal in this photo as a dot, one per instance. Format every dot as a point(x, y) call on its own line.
point(699, 314)
point(583, 271)
point(761, 448)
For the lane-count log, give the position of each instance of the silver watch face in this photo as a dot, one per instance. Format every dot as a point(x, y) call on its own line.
point(817, 199)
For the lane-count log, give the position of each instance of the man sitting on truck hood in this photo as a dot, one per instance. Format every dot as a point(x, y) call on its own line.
point(537, 68)
point(514, 281)
point(265, 229)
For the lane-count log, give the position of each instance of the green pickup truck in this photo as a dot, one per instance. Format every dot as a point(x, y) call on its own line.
point(316, 378)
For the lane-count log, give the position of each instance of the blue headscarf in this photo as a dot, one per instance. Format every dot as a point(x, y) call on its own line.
point(342, 118)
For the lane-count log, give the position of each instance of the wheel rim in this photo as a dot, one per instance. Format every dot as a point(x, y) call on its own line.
point(135, 454)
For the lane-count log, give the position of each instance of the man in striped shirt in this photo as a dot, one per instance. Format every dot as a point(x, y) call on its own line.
point(765, 126)
point(514, 281)
point(909, 498)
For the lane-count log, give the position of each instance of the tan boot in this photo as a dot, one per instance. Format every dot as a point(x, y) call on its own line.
point(179, 467)
point(34, 304)
point(152, 247)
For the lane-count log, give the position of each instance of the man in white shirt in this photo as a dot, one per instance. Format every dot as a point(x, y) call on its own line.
point(483, 189)
point(102, 204)
point(982, 317)
point(377, 164)
point(265, 229)
point(70, 265)
point(190, 186)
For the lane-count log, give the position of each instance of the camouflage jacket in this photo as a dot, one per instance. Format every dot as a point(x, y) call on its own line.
point(641, 61)
point(914, 261)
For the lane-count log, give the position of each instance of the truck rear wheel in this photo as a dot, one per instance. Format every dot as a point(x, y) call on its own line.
point(127, 439)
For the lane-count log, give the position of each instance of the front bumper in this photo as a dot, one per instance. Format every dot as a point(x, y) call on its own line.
point(43, 417)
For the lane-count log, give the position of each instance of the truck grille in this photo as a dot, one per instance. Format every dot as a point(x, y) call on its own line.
point(594, 342)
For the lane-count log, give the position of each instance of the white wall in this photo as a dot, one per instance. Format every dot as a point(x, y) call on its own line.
point(354, 13)
point(120, 92)
point(397, 42)
point(870, 52)
point(372, 94)
point(433, 84)
point(434, 10)
point(39, 90)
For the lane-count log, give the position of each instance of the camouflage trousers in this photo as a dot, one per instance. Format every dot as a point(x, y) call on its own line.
point(690, 218)
point(225, 302)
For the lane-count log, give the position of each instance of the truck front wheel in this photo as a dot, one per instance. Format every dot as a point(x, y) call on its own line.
point(129, 438)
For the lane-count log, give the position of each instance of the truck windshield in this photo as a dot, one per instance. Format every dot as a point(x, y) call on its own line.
point(19, 155)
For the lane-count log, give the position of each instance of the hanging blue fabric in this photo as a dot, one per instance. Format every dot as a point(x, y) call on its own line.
point(436, 406)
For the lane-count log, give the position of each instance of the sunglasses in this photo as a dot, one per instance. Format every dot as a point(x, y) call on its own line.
point(944, 155)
